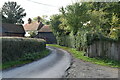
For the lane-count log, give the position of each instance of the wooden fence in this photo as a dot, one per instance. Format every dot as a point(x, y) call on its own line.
point(104, 49)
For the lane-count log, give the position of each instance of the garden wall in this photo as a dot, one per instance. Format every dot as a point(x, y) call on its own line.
point(15, 48)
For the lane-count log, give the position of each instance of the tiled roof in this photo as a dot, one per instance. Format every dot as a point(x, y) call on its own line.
point(32, 26)
point(12, 28)
point(45, 28)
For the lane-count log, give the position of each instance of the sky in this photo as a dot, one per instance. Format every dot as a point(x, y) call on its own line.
point(42, 7)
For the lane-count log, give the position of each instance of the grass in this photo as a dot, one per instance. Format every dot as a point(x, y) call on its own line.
point(25, 59)
point(80, 55)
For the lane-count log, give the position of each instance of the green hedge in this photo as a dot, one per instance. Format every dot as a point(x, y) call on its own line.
point(15, 48)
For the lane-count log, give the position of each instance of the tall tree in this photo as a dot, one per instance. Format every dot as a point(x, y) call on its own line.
point(12, 13)
point(75, 16)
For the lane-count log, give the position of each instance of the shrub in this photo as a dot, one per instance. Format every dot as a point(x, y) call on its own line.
point(34, 56)
point(15, 48)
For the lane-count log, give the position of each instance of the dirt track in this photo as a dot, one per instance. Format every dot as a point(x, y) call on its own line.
point(82, 69)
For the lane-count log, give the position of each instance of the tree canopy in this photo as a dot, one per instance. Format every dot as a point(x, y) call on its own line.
point(97, 18)
point(12, 13)
point(80, 24)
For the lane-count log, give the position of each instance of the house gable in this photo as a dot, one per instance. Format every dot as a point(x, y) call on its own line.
point(45, 28)
point(12, 30)
point(34, 26)
point(46, 33)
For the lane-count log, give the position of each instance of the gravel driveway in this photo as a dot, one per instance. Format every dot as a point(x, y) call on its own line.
point(82, 69)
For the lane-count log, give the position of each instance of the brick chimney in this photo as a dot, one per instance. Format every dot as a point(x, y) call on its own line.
point(38, 19)
point(29, 20)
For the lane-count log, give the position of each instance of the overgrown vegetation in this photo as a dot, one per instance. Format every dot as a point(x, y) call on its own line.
point(86, 22)
point(27, 58)
point(80, 55)
point(81, 24)
point(15, 48)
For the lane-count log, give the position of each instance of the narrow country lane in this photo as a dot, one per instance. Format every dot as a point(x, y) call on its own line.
point(52, 66)
point(60, 64)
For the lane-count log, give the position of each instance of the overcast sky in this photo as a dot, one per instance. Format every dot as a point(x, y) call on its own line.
point(43, 7)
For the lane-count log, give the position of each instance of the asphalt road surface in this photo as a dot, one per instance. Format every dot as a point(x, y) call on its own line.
point(60, 64)
point(52, 66)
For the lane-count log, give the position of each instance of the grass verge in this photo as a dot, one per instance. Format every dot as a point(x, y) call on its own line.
point(30, 57)
point(80, 55)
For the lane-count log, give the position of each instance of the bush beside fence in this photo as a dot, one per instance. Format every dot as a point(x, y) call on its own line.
point(15, 48)
point(95, 47)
